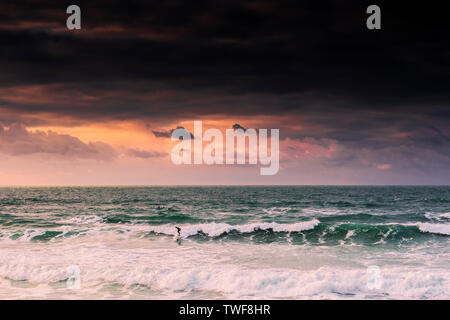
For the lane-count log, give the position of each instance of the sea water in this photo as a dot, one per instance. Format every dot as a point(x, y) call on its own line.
point(255, 242)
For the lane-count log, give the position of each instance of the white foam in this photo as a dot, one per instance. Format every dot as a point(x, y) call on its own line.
point(276, 210)
point(438, 216)
point(239, 282)
point(384, 236)
point(349, 234)
point(30, 234)
point(439, 228)
point(82, 220)
point(445, 215)
point(324, 212)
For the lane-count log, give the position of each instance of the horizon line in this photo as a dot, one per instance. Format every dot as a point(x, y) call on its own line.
point(223, 185)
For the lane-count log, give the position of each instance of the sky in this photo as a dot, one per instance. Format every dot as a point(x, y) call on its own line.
point(96, 106)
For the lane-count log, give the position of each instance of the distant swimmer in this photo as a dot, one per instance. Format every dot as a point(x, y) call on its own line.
point(178, 230)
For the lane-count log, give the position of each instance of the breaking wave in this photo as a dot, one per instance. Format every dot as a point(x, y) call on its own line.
point(312, 231)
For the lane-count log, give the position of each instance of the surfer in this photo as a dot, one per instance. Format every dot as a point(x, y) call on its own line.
point(178, 236)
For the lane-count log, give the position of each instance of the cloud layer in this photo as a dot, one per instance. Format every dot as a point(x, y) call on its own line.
point(18, 141)
point(342, 96)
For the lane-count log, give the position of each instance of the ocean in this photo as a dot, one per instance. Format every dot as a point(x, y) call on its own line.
point(236, 242)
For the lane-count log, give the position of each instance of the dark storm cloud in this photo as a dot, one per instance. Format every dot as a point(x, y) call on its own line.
point(162, 134)
point(233, 47)
point(168, 134)
point(237, 126)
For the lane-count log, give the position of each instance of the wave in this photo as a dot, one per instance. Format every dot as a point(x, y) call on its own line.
point(304, 232)
point(217, 229)
point(187, 230)
point(438, 216)
point(311, 228)
point(42, 235)
point(82, 220)
point(438, 228)
point(238, 282)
